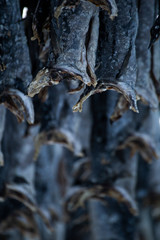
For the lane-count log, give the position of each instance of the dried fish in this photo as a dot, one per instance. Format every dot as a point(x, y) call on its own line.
point(51, 137)
point(20, 179)
point(117, 70)
point(15, 76)
point(13, 48)
point(77, 55)
point(144, 85)
point(142, 143)
point(19, 104)
point(77, 197)
point(120, 87)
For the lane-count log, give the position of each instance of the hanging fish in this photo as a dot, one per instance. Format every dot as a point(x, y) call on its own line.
point(144, 85)
point(15, 70)
point(116, 56)
point(74, 40)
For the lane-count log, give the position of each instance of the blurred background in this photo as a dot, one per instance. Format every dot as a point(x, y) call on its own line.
point(79, 120)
